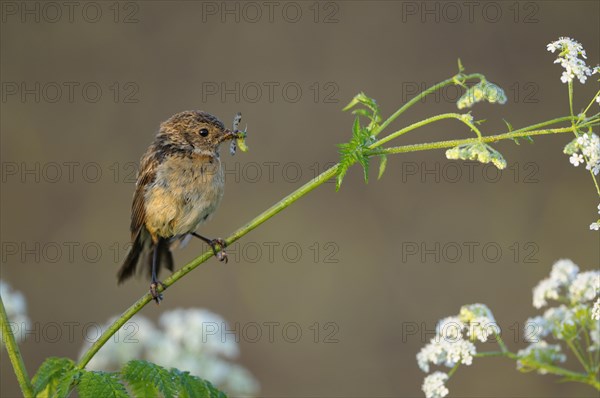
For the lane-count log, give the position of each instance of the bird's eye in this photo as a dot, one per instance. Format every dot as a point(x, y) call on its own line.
point(204, 132)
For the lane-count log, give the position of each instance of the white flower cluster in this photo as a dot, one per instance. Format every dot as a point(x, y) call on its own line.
point(480, 152)
point(451, 344)
point(433, 385)
point(585, 149)
point(566, 321)
point(596, 225)
point(596, 310)
point(579, 287)
point(568, 58)
point(482, 91)
point(193, 340)
point(16, 308)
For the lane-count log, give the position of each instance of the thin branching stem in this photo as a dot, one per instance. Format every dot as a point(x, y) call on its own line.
point(14, 353)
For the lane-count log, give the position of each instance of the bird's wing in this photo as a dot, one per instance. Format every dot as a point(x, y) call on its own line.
point(146, 176)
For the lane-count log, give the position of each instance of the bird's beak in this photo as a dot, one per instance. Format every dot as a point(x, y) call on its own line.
point(230, 135)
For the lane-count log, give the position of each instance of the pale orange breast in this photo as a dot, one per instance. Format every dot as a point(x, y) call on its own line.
point(185, 193)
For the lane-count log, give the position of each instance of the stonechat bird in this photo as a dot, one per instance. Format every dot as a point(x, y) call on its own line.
point(179, 187)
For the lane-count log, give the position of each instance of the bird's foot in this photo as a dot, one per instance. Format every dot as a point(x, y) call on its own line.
point(219, 254)
point(156, 296)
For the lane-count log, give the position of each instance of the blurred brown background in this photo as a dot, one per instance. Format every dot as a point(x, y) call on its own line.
point(152, 59)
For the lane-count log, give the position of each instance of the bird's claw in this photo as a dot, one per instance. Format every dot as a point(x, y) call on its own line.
point(156, 296)
point(220, 255)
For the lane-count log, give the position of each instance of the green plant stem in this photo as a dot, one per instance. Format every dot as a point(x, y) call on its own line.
point(453, 143)
point(396, 134)
point(453, 370)
point(501, 343)
point(258, 220)
point(578, 355)
point(591, 102)
point(570, 85)
point(575, 376)
point(460, 78)
point(14, 354)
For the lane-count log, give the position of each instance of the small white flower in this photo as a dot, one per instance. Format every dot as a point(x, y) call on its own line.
point(545, 289)
point(433, 385)
point(536, 328)
point(450, 329)
point(596, 310)
point(585, 287)
point(595, 327)
point(564, 271)
point(576, 159)
point(480, 321)
point(559, 320)
point(596, 225)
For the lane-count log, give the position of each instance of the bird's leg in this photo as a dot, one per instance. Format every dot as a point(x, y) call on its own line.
point(155, 282)
point(220, 255)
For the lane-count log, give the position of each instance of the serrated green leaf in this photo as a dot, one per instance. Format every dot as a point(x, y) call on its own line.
point(356, 126)
point(49, 375)
point(64, 386)
point(214, 392)
point(364, 162)
point(190, 386)
point(355, 101)
point(148, 379)
point(101, 384)
point(382, 165)
point(340, 176)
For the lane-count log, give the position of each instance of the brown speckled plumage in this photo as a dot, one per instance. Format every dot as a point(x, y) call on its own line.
point(179, 186)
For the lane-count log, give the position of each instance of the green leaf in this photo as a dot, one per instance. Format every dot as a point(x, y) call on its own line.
point(190, 386)
point(214, 392)
point(364, 162)
point(356, 126)
point(352, 103)
point(461, 68)
point(362, 137)
point(64, 386)
point(101, 384)
point(49, 375)
point(148, 380)
point(382, 165)
point(362, 112)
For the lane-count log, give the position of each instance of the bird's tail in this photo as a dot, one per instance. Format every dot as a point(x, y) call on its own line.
point(141, 249)
point(164, 257)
